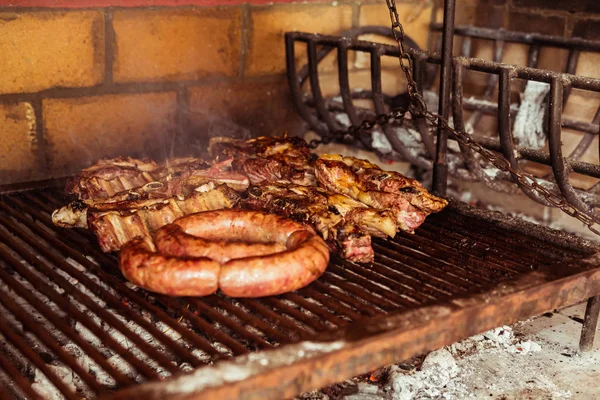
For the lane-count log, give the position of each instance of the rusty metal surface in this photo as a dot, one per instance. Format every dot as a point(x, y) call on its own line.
point(590, 324)
point(422, 290)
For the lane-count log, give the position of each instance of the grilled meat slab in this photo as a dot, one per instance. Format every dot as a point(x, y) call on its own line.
point(310, 204)
point(115, 227)
point(345, 199)
point(110, 176)
point(406, 198)
point(272, 159)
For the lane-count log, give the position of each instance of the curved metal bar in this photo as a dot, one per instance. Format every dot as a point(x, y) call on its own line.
point(313, 68)
point(440, 165)
point(344, 81)
point(559, 166)
point(423, 128)
point(294, 82)
point(353, 34)
point(506, 139)
point(390, 133)
point(488, 107)
point(468, 156)
point(587, 139)
point(571, 68)
point(491, 86)
point(523, 37)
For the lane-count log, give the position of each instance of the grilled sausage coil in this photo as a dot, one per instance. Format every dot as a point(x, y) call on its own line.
point(242, 253)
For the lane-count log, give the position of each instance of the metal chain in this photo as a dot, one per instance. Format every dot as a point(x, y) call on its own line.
point(418, 108)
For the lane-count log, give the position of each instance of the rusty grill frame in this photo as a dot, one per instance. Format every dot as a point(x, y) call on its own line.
point(318, 111)
point(459, 275)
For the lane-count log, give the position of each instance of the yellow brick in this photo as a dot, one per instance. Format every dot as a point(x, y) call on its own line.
point(242, 108)
point(266, 53)
point(40, 50)
point(176, 44)
point(17, 143)
point(80, 131)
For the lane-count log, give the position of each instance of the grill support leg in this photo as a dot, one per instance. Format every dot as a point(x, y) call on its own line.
point(590, 324)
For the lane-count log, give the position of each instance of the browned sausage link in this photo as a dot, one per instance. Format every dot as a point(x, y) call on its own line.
point(242, 226)
point(172, 241)
point(168, 275)
point(283, 272)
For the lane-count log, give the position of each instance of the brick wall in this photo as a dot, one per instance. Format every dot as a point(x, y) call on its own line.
point(86, 79)
point(80, 80)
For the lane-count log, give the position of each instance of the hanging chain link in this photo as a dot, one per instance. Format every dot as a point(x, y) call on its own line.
point(418, 108)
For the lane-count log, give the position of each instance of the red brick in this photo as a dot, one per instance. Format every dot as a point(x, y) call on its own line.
point(80, 131)
point(41, 50)
point(18, 143)
point(266, 53)
point(178, 44)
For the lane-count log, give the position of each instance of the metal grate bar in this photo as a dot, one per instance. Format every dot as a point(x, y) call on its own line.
point(21, 382)
point(315, 309)
point(60, 324)
point(296, 331)
point(314, 324)
point(410, 257)
point(329, 302)
point(479, 247)
point(353, 286)
point(122, 288)
point(102, 294)
point(204, 309)
point(485, 232)
point(362, 277)
point(343, 297)
point(394, 281)
point(32, 326)
point(68, 307)
point(28, 352)
point(207, 329)
point(463, 265)
point(456, 244)
point(247, 319)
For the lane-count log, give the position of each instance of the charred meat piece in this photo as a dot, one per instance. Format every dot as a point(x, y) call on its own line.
point(375, 222)
point(405, 198)
point(110, 176)
point(309, 204)
point(267, 158)
point(262, 169)
point(293, 151)
point(115, 227)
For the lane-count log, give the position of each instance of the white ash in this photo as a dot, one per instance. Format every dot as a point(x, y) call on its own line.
point(202, 356)
point(411, 139)
point(168, 331)
point(343, 119)
point(437, 378)
point(380, 142)
point(525, 347)
point(528, 129)
point(492, 172)
point(502, 336)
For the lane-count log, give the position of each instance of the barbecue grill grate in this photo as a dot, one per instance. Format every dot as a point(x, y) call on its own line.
point(68, 315)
